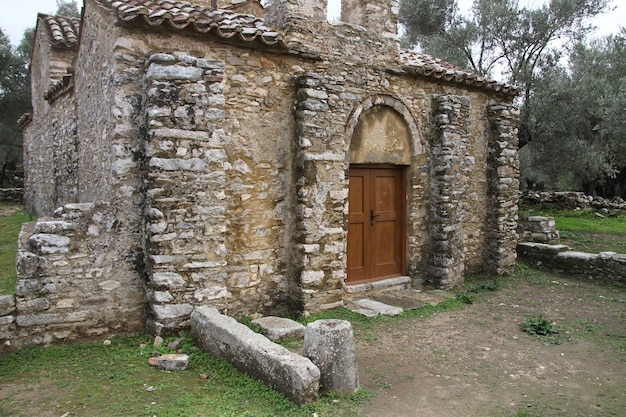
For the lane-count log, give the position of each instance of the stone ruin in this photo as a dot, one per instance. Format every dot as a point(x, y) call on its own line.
point(250, 159)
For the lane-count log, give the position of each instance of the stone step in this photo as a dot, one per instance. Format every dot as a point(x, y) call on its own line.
point(367, 307)
point(392, 303)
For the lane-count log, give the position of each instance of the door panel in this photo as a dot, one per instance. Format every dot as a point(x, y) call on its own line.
point(375, 224)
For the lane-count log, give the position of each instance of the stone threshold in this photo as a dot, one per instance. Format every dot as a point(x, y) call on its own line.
point(383, 284)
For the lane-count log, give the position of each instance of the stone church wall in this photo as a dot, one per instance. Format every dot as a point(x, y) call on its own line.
point(50, 163)
point(215, 173)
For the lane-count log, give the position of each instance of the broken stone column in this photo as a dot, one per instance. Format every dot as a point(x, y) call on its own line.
point(329, 344)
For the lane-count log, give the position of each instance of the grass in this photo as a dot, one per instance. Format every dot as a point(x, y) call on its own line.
point(83, 378)
point(9, 229)
point(116, 380)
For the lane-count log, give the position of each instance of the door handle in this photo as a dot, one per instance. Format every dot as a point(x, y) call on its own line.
point(373, 216)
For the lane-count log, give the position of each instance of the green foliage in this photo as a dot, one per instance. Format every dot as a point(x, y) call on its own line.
point(9, 229)
point(14, 101)
point(68, 8)
point(575, 121)
point(539, 326)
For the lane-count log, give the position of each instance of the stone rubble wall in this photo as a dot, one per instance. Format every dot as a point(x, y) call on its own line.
point(219, 181)
point(379, 16)
point(449, 144)
point(50, 157)
point(571, 200)
point(77, 280)
point(13, 195)
point(604, 266)
point(503, 173)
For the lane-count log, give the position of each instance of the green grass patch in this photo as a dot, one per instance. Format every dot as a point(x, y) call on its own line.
point(585, 220)
point(9, 230)
point(585, 231)
point(116, 380)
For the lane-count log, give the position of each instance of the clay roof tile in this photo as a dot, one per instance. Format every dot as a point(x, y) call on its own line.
point(426, 65)
point(199, 18)
point(61, 31)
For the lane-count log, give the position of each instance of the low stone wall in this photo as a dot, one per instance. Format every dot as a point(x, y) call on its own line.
point(604, 266)
point(77, 279)
point(12, 195)
point(570, 200)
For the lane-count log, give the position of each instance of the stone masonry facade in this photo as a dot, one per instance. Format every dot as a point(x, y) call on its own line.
point(195, 157)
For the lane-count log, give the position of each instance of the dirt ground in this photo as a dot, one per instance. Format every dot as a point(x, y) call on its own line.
point(477, 362)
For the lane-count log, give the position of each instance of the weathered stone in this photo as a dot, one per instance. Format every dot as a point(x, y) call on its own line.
point(7, 305)
point(49, 243)
point(171, 362)
point(330, 346)
point(250, 352)
point(379, 307)
point(173, 72)
point(169, 280)
point(171, 311)
point(279, 328)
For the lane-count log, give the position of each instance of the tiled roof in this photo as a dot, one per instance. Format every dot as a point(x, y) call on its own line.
point(61, 31)
point(181, 15)
point(429, 66)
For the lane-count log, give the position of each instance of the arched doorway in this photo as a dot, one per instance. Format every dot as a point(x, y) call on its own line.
point(380, 151)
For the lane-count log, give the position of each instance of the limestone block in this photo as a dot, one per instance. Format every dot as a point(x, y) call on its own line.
point(172, 362)
point(279, 328)
point(330, 345)
point(49, 243)
point(254, 354)
point(171, 311)
point(173, 72)
point(7, 304)
point(167, 279)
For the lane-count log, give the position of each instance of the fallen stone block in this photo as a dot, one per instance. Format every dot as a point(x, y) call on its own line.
point(279, 328)
point(286, 372)
point(170, 362)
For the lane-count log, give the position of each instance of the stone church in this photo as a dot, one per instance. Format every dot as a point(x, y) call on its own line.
point(253, 158)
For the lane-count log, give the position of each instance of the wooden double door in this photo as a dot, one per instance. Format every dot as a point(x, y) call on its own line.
point(376, 223)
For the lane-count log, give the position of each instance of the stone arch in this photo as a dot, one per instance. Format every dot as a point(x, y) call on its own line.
point(381, 129)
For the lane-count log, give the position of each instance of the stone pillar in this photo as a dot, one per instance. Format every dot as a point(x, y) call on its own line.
point(329, 344)
point(503, 174)
point(380, 16)
point(322, 190)
point(448, 148)
point(186, 179)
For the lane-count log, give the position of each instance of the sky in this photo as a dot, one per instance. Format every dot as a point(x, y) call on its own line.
point(18, 15)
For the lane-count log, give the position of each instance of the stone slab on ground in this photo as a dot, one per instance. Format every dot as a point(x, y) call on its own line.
point(279, 328)
point(287, 372)
point(399, 299)
point(380, 308)
point(363, 311)
point(442, 293)
point(430, 297)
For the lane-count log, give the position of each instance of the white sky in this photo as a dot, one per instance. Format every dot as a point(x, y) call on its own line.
point(17, 15)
